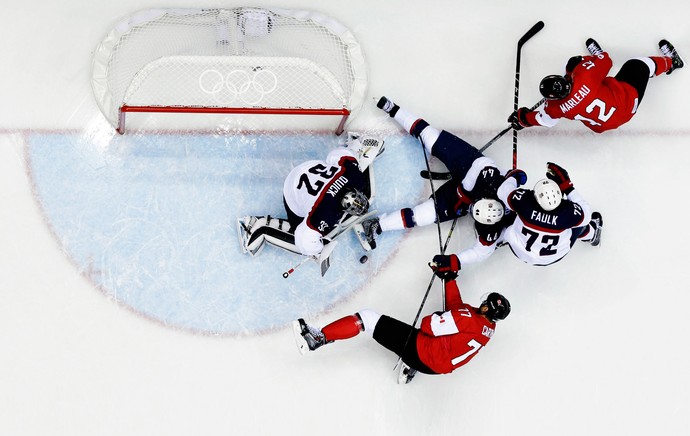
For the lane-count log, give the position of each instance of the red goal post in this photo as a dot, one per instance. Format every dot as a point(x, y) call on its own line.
point(229, 61)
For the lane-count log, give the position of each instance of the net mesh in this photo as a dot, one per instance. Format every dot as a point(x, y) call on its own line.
point(236, 58)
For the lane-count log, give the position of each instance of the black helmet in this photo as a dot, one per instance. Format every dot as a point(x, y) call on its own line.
point(555, 87)
point(497, 306)
point(354, 202)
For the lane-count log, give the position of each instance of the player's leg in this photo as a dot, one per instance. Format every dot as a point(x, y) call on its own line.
point(422, 214)
point(592, 232)
point(255, 231)
point(401, 339)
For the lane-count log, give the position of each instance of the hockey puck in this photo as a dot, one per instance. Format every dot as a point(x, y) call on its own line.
point(364, 259)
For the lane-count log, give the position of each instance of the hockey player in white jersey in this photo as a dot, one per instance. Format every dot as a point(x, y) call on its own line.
point(549, 219)
point(472, 188)
point(320, 197)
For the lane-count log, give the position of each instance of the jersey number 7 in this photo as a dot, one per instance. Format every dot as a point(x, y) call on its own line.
point(474, 347)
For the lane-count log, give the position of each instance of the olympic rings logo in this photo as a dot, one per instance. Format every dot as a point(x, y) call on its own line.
point(251, 88)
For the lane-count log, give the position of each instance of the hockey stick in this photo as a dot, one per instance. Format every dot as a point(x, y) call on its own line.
point(433, 195)
point(323, 259)
point(426, 294)
point(434, 175)
point(526, 37)
point(504, 131)
point(289, 272)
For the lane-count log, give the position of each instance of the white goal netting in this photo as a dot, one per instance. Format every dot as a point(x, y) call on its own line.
point(229, 61)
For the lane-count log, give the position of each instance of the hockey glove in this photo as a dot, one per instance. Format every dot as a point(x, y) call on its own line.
point(518, 175)
point(518, 119)
point(559, 175)
point(445, 266)
point(462, 204)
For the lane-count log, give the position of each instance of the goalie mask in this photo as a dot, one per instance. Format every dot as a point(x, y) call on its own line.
point(497, 307)
point(555, 87)
point(548, 194)
point(487, 211)
point(354, 202)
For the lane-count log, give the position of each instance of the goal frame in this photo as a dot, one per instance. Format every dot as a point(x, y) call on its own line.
point(116, 111)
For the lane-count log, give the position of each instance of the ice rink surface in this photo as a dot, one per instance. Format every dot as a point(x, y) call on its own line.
point(596, 344)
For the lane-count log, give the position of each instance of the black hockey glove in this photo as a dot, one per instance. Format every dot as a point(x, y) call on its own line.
point(559, 175)
point(518, 175)
point(518, 119)
point(445, 266)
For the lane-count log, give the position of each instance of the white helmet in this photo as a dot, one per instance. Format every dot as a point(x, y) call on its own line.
point(548, 194)
point(487, 211)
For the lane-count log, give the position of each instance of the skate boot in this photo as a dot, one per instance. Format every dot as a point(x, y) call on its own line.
point(387, 106)
point(308, 338)
point(371, 228)
point(598, 224)
point(593, 47)
point(405, 374)
point(668, 50)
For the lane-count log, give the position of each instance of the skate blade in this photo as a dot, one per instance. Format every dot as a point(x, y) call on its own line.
point(302, 345)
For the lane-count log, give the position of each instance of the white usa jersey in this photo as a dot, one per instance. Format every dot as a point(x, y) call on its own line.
point(541, 237)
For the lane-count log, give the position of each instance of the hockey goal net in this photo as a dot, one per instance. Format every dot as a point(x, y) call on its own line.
point(229, 61)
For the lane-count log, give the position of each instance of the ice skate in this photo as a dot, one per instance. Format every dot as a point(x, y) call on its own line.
point(387, 106)
point(366, 232)
point(669, 50)
point(405, 374)
point(308, 338)
point(598, 224)
point(593, 47)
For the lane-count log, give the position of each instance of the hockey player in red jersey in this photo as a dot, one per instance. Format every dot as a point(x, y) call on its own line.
point(444, 341)
point(585, 93)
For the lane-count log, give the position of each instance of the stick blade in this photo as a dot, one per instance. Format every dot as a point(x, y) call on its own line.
point(531, 32)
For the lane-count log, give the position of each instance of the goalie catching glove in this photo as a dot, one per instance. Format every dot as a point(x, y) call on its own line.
point(445, 266)
point(559, 175)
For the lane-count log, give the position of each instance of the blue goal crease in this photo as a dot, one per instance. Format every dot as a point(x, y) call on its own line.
point(150, 219)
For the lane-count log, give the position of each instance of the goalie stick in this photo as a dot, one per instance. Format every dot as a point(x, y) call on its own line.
point(324, 258)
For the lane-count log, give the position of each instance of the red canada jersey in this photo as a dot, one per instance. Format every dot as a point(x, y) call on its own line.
point(450, 339)
point(601, 103)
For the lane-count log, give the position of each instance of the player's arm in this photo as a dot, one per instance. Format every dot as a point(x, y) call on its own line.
point(514, 178)
point(480, 251)
point(477, 166)
point(559, 175)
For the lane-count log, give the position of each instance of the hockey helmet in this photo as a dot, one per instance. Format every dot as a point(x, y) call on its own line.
point(487, 211)
point(555, 87)
point(497, 306)
point(354, 202)
point(548, 194)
